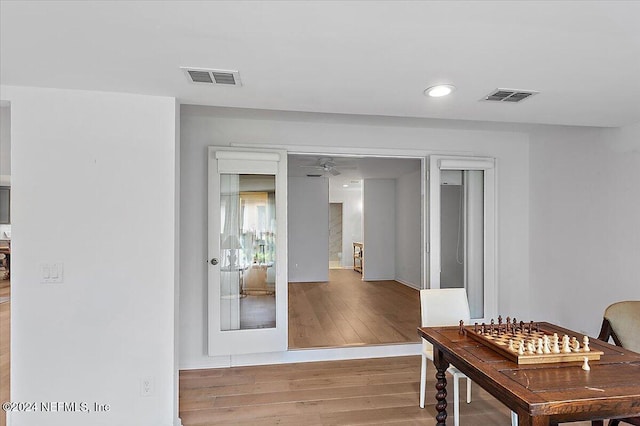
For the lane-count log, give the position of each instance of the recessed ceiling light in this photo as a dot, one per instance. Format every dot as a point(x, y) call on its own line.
point(345, 185)
point(439, 90)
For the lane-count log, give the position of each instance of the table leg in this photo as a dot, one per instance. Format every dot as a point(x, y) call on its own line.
point(441, 386)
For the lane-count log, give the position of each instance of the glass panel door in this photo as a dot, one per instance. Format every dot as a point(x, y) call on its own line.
point(461, 234)
point(248, 251)
point(247, 279)
point(462, 229)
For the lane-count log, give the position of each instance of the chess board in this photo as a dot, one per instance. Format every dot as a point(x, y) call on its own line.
point(497, 337)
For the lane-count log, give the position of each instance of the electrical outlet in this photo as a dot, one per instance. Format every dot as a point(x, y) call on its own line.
point(147, 386)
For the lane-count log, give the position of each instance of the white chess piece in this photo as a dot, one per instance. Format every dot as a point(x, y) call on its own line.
point(521, 347)
point(511, 347)
point(556, 346)
point(565, 344)
point(547, 348)
point(585, 365)
point(575, 345)
point(531, 347)
point(585, 344)
point(539, 348)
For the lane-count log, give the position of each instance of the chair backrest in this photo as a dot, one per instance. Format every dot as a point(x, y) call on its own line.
point(624, 318)
point(444, 306)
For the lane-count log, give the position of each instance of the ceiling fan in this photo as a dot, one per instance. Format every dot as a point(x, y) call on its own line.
point(327, 166)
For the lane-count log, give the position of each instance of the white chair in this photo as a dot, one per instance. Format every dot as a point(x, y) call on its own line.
point(441, 307)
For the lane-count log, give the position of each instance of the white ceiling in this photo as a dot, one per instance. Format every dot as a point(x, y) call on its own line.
point(357, 57)
point(352, 169)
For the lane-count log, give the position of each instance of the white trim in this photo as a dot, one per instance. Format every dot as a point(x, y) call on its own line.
point(466, 164)
point(424, 227)
point(313, 355)
point(408, 284)
point(349, 151)
point(248, 155)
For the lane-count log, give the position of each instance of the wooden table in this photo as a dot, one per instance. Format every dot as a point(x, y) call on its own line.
point(541, 394)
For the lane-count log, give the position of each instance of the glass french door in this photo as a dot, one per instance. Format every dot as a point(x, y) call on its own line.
point(247, 251)
point(462, 229)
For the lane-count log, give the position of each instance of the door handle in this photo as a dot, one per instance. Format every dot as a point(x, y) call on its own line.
point(214, 261)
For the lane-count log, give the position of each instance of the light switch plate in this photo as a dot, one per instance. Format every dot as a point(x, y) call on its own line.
point(51, 273)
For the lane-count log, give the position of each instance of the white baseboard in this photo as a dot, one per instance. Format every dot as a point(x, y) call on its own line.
point(408, 284)
point(313, 355)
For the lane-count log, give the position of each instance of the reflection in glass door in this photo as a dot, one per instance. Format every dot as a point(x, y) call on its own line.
point(248, 252)
point(461, 234)
point(462, 229)
point(247, 247)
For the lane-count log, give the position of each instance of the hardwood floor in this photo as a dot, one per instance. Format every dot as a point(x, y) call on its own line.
point(370, 391)
point(352, 392)
point(347, 311)
point(5, 329)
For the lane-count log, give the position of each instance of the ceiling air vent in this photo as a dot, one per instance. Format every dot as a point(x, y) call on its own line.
point(211, 76)
point(509, 95)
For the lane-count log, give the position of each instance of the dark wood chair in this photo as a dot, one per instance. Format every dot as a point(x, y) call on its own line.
point(621, 323)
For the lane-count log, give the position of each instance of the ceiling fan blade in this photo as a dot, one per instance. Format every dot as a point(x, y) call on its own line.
point(334, 172)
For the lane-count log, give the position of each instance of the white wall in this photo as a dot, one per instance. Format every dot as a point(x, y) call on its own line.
point(585, 238)
point(409, 229)
point(379, 229)
point(5, 145)
point(204, 126)
point(351, 200)
point(94, 186)
point(308, 228)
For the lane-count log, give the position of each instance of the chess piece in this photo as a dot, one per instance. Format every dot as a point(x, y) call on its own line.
point(530, 327)
point(511, 347)
point(546, 341)
point(585, 365)
point(575, 345)
point(521, 347)
point(475, 328)
point(556, 346)
point(565, 344)
point(531, 348)
point(585, 344)
point(499, 320)
point(539, 350)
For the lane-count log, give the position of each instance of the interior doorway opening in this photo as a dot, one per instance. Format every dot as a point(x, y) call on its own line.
point(335, 203)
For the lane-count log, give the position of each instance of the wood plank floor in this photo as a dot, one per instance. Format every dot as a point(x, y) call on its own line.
point(346, 311)
point(372, 391)
point(353, 392)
